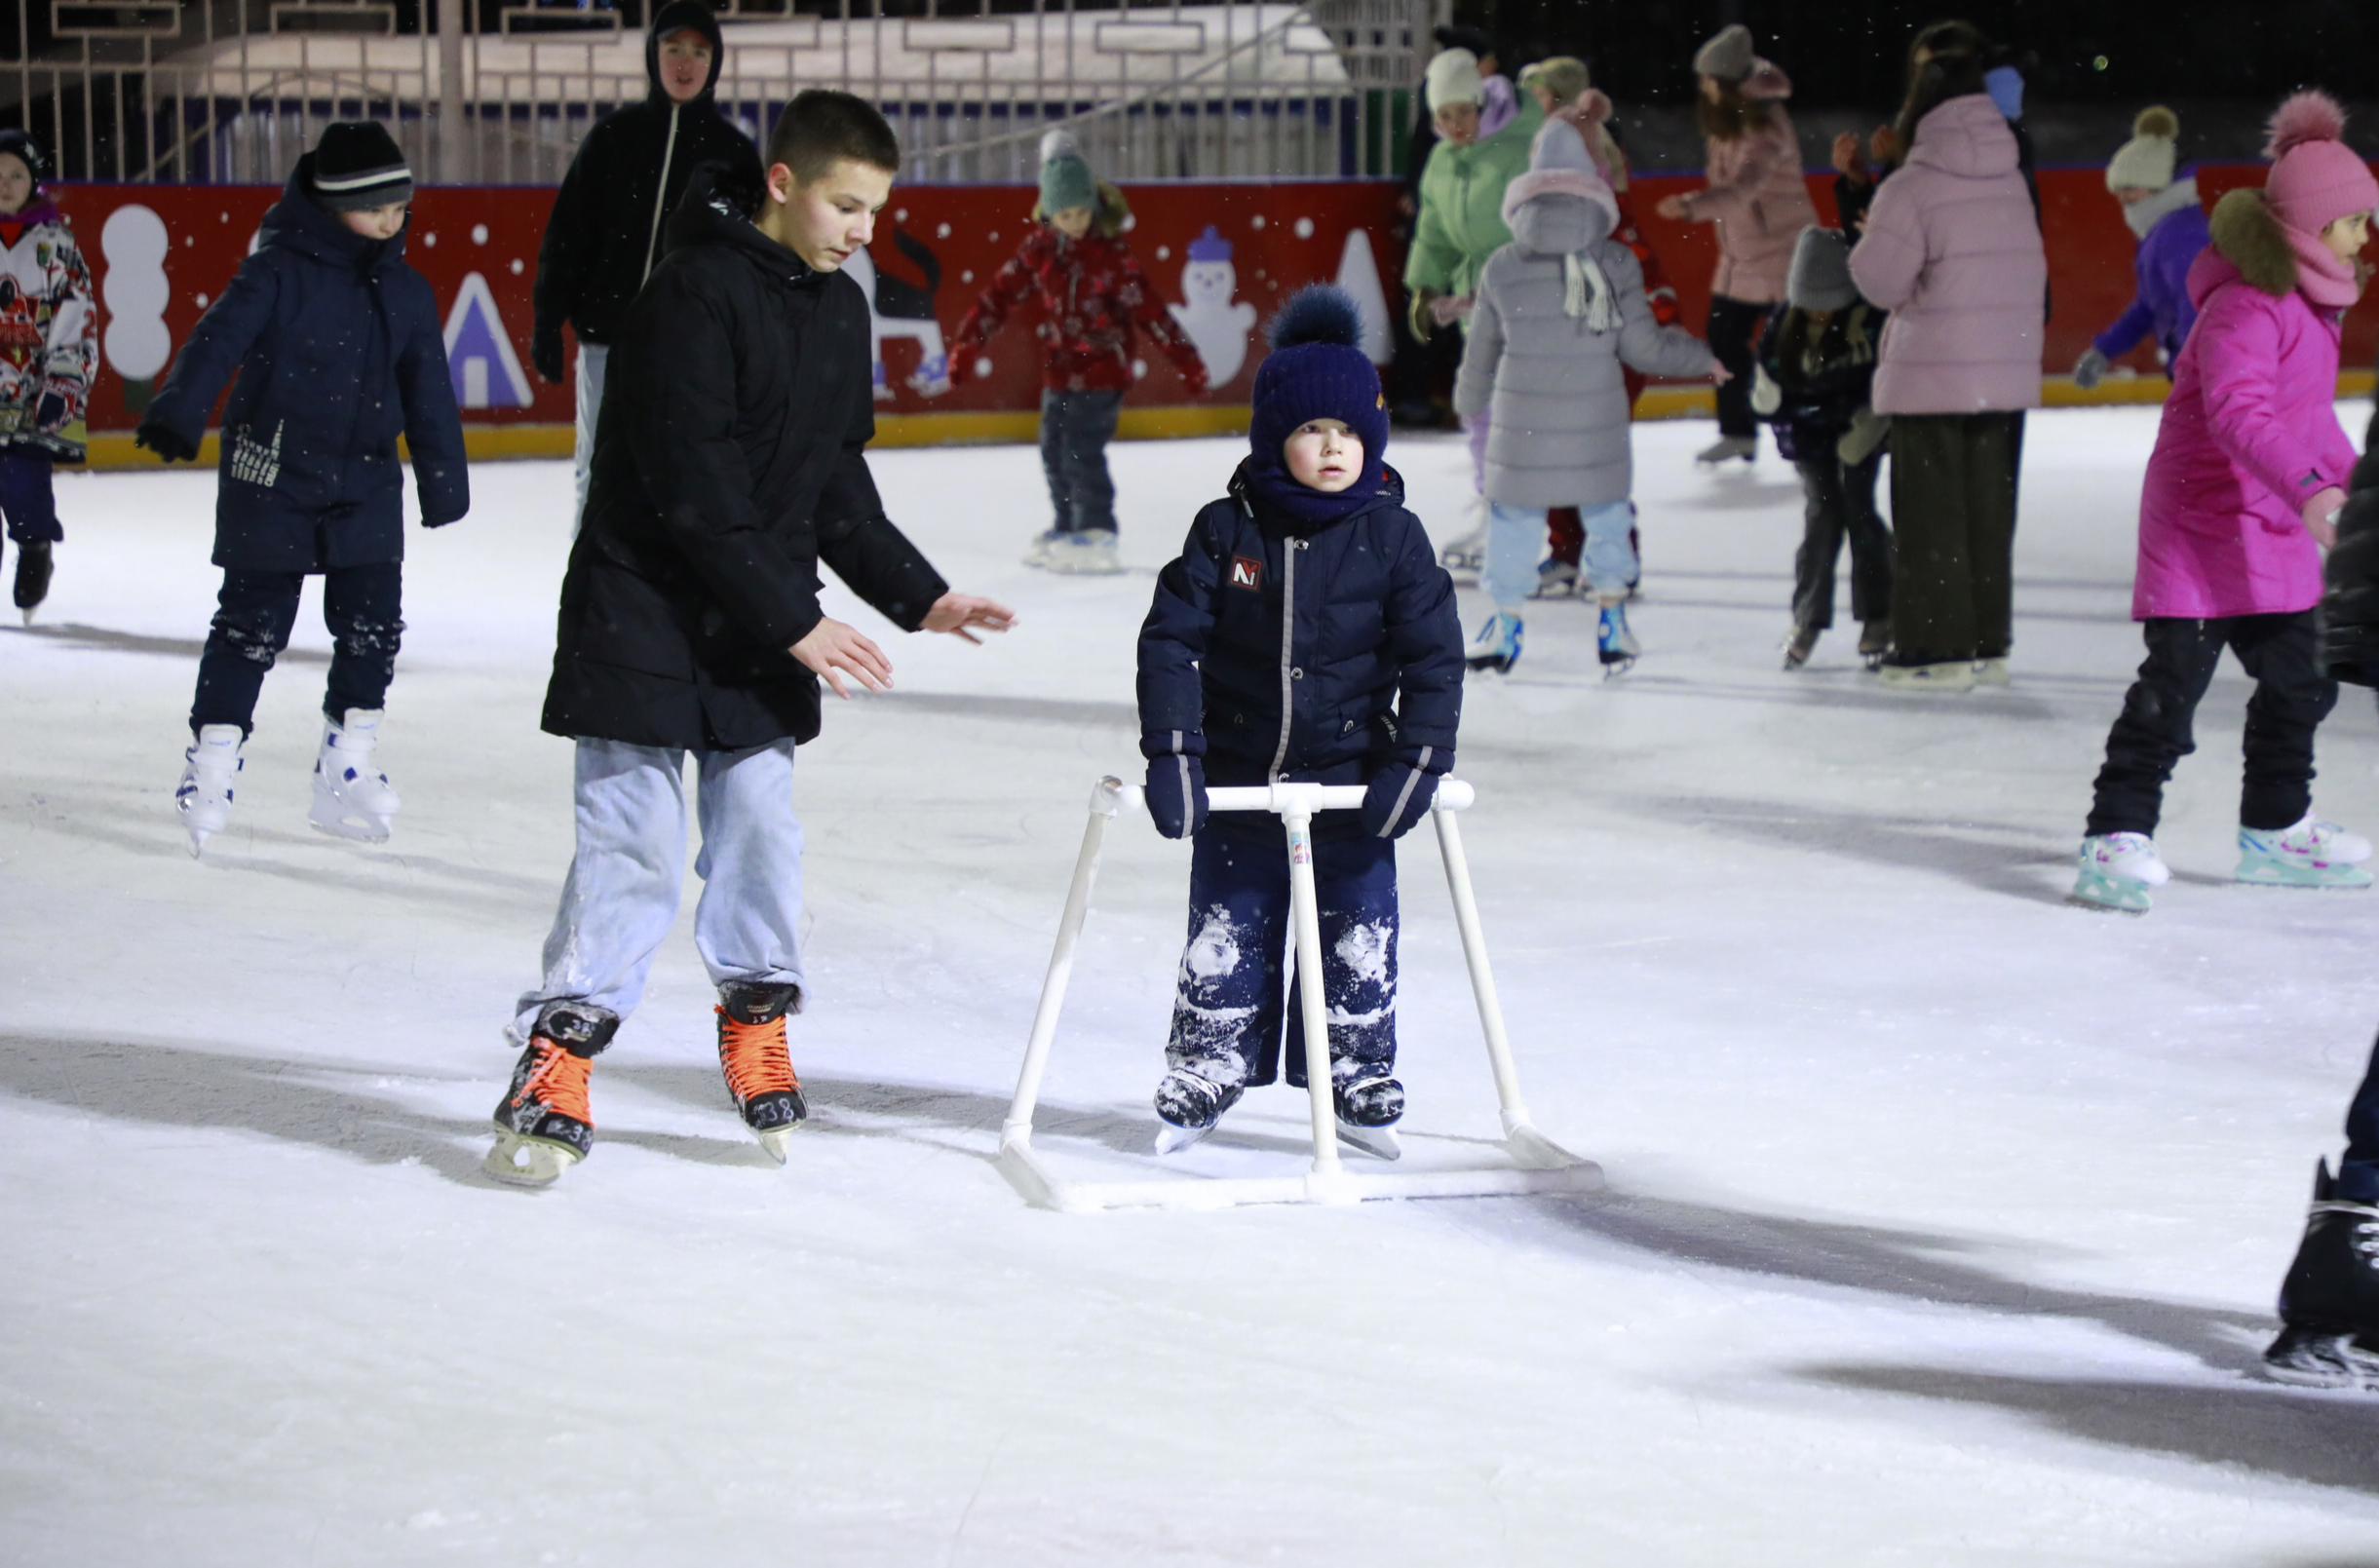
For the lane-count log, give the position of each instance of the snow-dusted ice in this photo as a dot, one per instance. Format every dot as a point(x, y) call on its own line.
point(1944, 1225)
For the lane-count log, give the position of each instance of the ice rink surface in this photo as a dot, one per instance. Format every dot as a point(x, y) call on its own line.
point(1944, 1225)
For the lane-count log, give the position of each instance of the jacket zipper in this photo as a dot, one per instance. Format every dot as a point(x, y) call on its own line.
point(1289, 633)
point(669, 151)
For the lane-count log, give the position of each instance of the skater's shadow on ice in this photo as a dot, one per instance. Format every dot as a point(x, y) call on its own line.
point(1995, 857)
point(334, 1105)
point(2322, 1439)
point(1730, 493)
point(75, 635)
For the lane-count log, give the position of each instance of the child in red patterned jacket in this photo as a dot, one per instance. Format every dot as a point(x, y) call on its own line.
point(1092, 293)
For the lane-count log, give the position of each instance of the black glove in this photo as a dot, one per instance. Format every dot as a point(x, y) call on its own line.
point(1397, 798)
point(1177, 781)
point(160, 439)
point(50, 414)
point(544, 353)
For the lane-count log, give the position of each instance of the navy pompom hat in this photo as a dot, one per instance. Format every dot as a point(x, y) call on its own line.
point(1317, 370)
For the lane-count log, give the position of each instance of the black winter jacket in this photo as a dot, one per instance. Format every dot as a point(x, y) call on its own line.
point(727, 466)
point(605, 235)
point(339, 350)
point(2350, 577)
point(1820, 384)
point(1366, 671)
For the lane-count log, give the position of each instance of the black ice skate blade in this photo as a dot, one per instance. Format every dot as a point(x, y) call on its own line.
point(2077, 901)
point(1500, 665)
point(1613, 669)
point(2310, 1358)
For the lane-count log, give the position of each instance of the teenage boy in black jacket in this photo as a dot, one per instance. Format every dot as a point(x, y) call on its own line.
point(1306, 633)
point(605, 235)
point(727, 467)
point(338, 349)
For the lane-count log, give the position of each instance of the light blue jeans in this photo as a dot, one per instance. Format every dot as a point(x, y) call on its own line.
point(621, 898)
point(1515, 543)
point(594, 359)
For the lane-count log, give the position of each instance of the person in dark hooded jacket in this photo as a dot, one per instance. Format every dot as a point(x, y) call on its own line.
point(339, 350)
point(1305, 634)
point(604, 236)
point(728, 469)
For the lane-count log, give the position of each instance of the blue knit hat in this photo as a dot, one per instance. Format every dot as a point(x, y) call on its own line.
point(1317, 370)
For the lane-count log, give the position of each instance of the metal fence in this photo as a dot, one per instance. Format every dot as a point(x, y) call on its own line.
point(232, 92)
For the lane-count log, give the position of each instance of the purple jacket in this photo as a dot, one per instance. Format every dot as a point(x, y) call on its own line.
point(2163, 305)
point(2250, 434)
point(1953, 251)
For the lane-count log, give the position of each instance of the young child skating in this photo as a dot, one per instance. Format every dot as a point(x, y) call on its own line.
point(338, 349)
point(2248, 470)
point(1308, 634)
point(1560, 314)
point(1816, 366)
point(2165, 213)
point(1091, 293)
point(728, 467)
point(49, 352)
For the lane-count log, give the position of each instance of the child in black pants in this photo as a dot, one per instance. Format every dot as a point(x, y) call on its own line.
point(339, 350)
point(1817, 364)
point(1305, 634)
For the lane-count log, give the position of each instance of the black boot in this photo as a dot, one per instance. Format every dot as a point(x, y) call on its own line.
point(2329, 1302)
point(1188, 1105)
point(34, 564)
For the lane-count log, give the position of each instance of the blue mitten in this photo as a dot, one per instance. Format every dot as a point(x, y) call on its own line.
point(50, 414)
point(1397, 797)
point(1176, 781)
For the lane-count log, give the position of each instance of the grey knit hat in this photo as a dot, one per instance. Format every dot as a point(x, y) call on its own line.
point(1727, 57)
point(1820, 276)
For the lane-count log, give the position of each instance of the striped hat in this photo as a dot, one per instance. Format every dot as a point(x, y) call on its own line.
point(357, 166)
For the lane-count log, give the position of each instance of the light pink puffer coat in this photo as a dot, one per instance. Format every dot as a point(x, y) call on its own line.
point(1953, 251)
point(2250, 434)
point(1757, 196)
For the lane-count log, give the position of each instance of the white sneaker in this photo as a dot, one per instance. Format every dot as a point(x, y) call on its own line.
point(352, 798)
point(2116, 870)
point(2312, 853)
point(1088, 553)
point(204, 796)
point(1467, 555)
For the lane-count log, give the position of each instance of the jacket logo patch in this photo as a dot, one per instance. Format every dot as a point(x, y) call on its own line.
point(1248, 572)
point(252, 461)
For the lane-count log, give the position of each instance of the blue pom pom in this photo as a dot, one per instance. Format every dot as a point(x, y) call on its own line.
point(1318, 312)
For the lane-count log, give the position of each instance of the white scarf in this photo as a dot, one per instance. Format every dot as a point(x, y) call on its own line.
point(1587, 292)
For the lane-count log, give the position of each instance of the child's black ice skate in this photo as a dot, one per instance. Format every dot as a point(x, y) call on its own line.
point(544, 1124)
point(759, 1066)
point(1368, 1113)
point(1187, 1108)
point(34, 564)
point(2329, 1302)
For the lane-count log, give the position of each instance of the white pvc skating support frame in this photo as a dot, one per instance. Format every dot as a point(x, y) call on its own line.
point(1538, 1163)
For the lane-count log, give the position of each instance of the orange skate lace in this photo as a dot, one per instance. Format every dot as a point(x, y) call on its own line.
point(559, 1081)
point(753, 1057)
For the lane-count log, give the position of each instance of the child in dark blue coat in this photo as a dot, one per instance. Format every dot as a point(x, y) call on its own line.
point(1305, 634)
point(339, 350)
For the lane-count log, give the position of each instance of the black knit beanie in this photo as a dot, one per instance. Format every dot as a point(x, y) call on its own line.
point(28, 152)
point(357, 166)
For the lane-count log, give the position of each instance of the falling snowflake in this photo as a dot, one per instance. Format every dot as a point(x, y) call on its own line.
point(1305, 228)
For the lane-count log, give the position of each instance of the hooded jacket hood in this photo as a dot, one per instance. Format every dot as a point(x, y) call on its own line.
point(1966, 137)
point(300, 223)
point(679, 16)
point(1562, 204)
point(1766, 82)
point(717, 210)
point(2248, 244)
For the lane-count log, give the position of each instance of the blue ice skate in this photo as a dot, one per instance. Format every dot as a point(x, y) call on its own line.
point(1497, 646)
point(1614, 643)
point(2312, 853)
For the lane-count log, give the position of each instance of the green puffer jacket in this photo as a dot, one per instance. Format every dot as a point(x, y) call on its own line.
point(1461, 199)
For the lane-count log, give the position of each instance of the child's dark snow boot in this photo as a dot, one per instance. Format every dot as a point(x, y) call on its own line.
point(1187, 1108)
point(1368, 1113)
point(759, 1066)
point(2329, 1301)
point(543, 1124)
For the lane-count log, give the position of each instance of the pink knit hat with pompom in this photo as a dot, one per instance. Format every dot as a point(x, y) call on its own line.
point(2316, 178)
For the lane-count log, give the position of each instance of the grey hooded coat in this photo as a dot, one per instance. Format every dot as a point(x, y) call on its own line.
point(1559, 310)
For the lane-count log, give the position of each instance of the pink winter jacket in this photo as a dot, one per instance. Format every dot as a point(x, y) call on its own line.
point(1757, 197)
point(2250, 434)
point(1953, 251)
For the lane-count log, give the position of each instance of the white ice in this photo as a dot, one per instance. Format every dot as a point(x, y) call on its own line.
point(1945, 1218)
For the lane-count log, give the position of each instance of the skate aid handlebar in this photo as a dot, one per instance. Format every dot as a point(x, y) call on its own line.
point(1112, 794)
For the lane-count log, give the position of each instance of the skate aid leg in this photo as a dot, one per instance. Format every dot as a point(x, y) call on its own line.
point(1327, 1182)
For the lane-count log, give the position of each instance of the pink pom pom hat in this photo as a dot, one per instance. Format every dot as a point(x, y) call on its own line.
point(2316, 178)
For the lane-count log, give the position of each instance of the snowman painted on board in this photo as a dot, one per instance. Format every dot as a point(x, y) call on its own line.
point(1216, 325)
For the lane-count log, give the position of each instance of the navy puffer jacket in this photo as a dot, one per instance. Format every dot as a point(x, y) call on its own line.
point(339, 350)
point(1286, 650)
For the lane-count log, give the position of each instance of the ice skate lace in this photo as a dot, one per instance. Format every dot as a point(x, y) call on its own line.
point(558, 1082)
point(754, 1058)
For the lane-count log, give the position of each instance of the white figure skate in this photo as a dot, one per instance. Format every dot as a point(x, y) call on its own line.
point(352, 798)
point(204, 796)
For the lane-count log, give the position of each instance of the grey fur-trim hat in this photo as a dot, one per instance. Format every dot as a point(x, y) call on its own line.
point(1727, 57)
point(1820, 276)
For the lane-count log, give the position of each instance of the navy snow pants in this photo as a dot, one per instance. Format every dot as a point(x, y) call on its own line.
point(253, 622)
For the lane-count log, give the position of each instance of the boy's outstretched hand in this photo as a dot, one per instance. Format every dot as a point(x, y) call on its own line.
point(961, 615)
point(835, 649)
